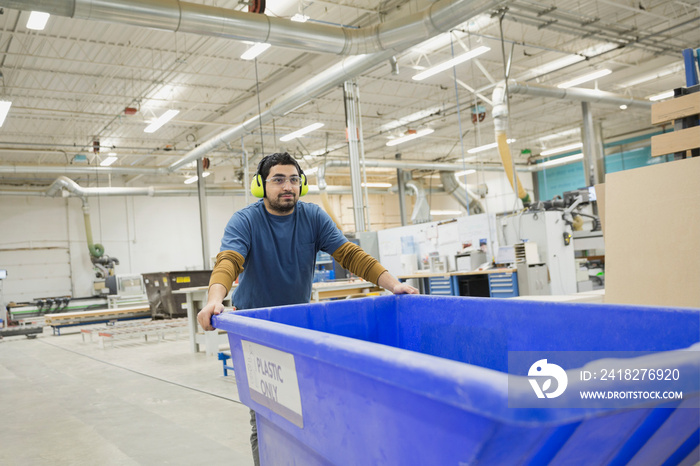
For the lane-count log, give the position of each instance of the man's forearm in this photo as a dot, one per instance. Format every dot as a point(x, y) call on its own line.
point(387, 281)
point(217, 293)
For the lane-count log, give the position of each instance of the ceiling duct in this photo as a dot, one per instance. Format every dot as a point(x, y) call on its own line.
point(406, 32)
point(460, 192)
point(178, 16)
point(421, 209)
point(63, 183)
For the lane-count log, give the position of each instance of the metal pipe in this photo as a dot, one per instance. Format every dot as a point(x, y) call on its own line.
point(460, 192)
point(354, 156)
point(421, 209)
point(402, 196)
point(203, 223)
point(574, 93)
point(179, 16)
point(63, 183)
point(409, 31)
point(32, 169)
point(589, 149)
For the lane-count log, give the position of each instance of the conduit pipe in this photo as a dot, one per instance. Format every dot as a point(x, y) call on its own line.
point(179, 16)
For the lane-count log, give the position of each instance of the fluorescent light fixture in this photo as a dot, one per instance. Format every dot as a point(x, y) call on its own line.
point(299, 18)
point(553, 65)
point(255, 50)
point(450, 63)
point(408, 137)
point(662, 96)
point(433, 44)
point(585, 78)
point(160, 121)
point(623, 107)
point(558, 150)
point(672, 69)
point(301, 132)
point(445, 212)
point(561, 134)
point(493, 145)
point(194, 178)
point(37, 20)
point(4, 109)
point(108, 161)
point(327, 150)
point(376, 185)
point(419, 115)
point(561, 161)
point(598, 49)
point(464, 173)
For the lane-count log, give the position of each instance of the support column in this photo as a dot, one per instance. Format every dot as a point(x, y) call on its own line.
point(402, 192)
point(202, 194)
point(600, 154)
point(354, 151)
point(590, 148)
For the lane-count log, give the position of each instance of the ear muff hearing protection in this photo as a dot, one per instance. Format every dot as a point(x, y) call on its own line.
point(257, 185)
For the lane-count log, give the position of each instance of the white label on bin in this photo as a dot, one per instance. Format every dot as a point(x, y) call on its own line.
point(272, 379)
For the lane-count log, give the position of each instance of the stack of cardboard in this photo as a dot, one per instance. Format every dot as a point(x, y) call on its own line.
point(684, 111)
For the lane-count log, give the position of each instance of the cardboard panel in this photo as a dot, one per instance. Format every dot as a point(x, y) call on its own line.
point(652, 235)
point(676, 141)
point(673, 109)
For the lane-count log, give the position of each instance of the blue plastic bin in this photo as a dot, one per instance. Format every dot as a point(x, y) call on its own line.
point(421, 380)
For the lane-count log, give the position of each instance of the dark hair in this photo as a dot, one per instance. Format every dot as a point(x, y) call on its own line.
point(276, 159)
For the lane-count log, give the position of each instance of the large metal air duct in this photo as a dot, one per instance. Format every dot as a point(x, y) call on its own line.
point(406, 32)
point(63, 183)
point(421, 209)
point(178, 16)
point(459, 191)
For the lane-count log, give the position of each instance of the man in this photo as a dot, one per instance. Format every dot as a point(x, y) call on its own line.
point(272, 244)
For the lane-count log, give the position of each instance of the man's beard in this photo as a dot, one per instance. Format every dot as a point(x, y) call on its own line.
point(283, 206)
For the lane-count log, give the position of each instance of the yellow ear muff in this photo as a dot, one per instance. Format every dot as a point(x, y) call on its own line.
point(304, 185)
point(257, 187)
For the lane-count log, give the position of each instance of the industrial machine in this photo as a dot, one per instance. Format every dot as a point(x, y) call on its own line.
point(552, 225)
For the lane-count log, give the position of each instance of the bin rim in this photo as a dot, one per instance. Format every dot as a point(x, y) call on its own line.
point(472, 388)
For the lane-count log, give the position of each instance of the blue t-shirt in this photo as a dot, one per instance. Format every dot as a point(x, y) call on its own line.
point(279, 251)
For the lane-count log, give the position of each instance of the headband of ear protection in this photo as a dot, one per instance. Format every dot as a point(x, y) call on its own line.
point(257, 185)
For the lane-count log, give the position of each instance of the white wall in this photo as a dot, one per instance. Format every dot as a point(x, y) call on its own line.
point(146, 234)
point(43, 243)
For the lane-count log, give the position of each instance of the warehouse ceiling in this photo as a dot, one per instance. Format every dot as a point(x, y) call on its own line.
point(84, 89)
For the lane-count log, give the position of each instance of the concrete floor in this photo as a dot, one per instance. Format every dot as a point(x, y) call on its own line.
point(69, 402)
